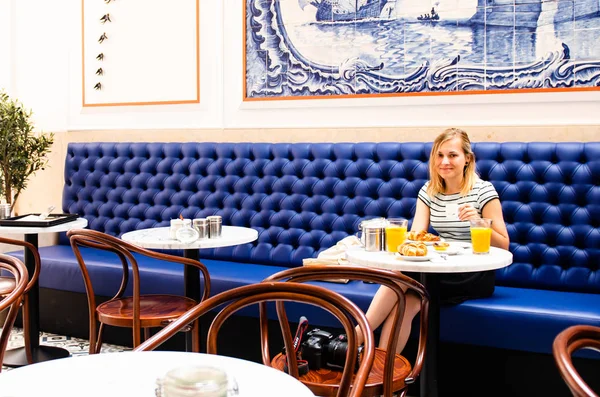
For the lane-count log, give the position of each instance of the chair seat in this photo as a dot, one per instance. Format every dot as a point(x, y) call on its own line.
point(7, 285)
point(325, 382)
point(155, 310)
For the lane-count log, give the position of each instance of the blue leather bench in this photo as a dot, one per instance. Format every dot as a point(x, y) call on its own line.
point(304, 197)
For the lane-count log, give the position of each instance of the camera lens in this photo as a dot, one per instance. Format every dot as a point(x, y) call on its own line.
point(336, 352)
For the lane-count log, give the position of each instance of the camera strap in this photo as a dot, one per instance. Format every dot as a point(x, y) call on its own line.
point(302, 326)
point(302, 364)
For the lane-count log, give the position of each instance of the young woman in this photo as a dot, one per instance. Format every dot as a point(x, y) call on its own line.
point(453, 196)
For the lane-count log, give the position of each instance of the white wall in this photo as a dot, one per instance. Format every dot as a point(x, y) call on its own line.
point(46, 76)
point(207, 114)
point(6, 47)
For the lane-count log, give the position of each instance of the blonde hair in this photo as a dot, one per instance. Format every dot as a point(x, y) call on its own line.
point(436, 183)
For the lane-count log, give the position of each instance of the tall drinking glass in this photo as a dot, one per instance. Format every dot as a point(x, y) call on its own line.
point(481, 235)
point(395, 233)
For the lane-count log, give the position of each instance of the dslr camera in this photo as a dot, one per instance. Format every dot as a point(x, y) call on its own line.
point(322, 350)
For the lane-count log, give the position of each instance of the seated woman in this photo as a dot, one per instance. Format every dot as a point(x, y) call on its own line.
point(453, 196)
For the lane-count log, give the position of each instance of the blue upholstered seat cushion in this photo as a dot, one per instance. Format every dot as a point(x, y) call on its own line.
point(60, 271)
point(518, 318)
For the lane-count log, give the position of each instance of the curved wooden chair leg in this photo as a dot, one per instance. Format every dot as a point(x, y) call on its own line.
point(146, 333)
point(27, 329)
point(196, 336)
point(99, 339)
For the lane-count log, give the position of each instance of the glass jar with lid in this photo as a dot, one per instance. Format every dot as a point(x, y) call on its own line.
point(196, 381)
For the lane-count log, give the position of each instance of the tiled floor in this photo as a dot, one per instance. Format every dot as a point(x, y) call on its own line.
point(77, 347)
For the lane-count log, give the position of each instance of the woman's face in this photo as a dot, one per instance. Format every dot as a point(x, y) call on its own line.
point(450, 159)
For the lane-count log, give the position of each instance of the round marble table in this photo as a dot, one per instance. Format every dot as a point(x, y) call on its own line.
point(158, 238)
point(17, 357)
point(462, 262)
point(135, 374)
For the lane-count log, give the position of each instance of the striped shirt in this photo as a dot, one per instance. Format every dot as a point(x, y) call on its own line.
point(449, 227)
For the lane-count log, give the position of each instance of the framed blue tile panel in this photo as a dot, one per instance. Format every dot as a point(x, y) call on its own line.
point(344, 48)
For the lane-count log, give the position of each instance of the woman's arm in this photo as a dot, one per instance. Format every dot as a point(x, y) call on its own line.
point(421, 219)
point(493, 211)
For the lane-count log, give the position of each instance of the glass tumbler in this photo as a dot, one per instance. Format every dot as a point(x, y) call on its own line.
point(395, 233)
point(481, 235)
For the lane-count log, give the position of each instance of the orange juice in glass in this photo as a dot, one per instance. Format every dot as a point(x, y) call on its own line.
point(395, 233)
point(481, 235)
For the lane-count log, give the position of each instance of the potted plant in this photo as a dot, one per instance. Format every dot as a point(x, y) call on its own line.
point(22, 152)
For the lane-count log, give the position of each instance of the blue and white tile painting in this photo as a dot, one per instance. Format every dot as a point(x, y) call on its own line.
point(323, 48)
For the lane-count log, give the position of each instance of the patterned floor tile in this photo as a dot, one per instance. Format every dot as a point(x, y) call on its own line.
point(76, 346)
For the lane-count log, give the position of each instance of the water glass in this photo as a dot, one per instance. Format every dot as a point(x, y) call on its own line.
point(4, 211)
point(395, 233)
point(175, 225)
point(481, 235)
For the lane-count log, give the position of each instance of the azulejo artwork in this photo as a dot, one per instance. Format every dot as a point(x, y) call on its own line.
point(340, 48)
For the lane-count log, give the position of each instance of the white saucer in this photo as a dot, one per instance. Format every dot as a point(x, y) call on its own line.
point(455, 248)
point(450, 251)
point(424, 258)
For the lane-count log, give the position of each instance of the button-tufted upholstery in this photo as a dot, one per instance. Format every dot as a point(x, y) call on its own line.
point(304, 197)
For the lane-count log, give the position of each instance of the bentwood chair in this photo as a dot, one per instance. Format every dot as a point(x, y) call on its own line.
point(235, 299)
point(565, 344)
point(391, 372)
point(137, 311)
point(7, 284)
point(11, 300)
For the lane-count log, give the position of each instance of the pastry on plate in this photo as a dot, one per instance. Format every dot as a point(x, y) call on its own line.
point(440, 246)
point(413, 249)
point(422, 236)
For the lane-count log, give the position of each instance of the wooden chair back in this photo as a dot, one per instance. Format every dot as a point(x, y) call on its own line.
point(7, 284)
point(235, 299)
point(12, 300)
point(398, 283)
point(36, 257)
point(124, 251)
point(565, 344)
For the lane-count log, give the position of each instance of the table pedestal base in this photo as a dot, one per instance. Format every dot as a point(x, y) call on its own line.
point(18, 358)
point(429, 372)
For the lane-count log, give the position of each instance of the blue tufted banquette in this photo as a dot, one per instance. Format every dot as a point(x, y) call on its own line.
point(304, 197)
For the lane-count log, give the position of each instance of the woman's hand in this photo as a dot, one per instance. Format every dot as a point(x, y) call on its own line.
point(467, 212)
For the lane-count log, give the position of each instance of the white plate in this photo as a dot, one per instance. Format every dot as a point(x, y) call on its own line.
point(450, 251)
point(424, 258)
point(425, 242)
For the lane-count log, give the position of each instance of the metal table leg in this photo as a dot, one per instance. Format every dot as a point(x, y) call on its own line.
point(191, 276)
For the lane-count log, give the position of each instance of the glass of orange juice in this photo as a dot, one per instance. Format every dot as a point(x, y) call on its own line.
point(395, 233)
point(481, 235)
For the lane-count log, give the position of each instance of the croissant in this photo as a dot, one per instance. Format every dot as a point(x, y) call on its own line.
point(413, 249)
point(422, 236)
point(415, 236)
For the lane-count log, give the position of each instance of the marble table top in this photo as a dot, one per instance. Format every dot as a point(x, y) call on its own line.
point(135, 374)
point(79, 223)
point(158, 238)
point(464, 261)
